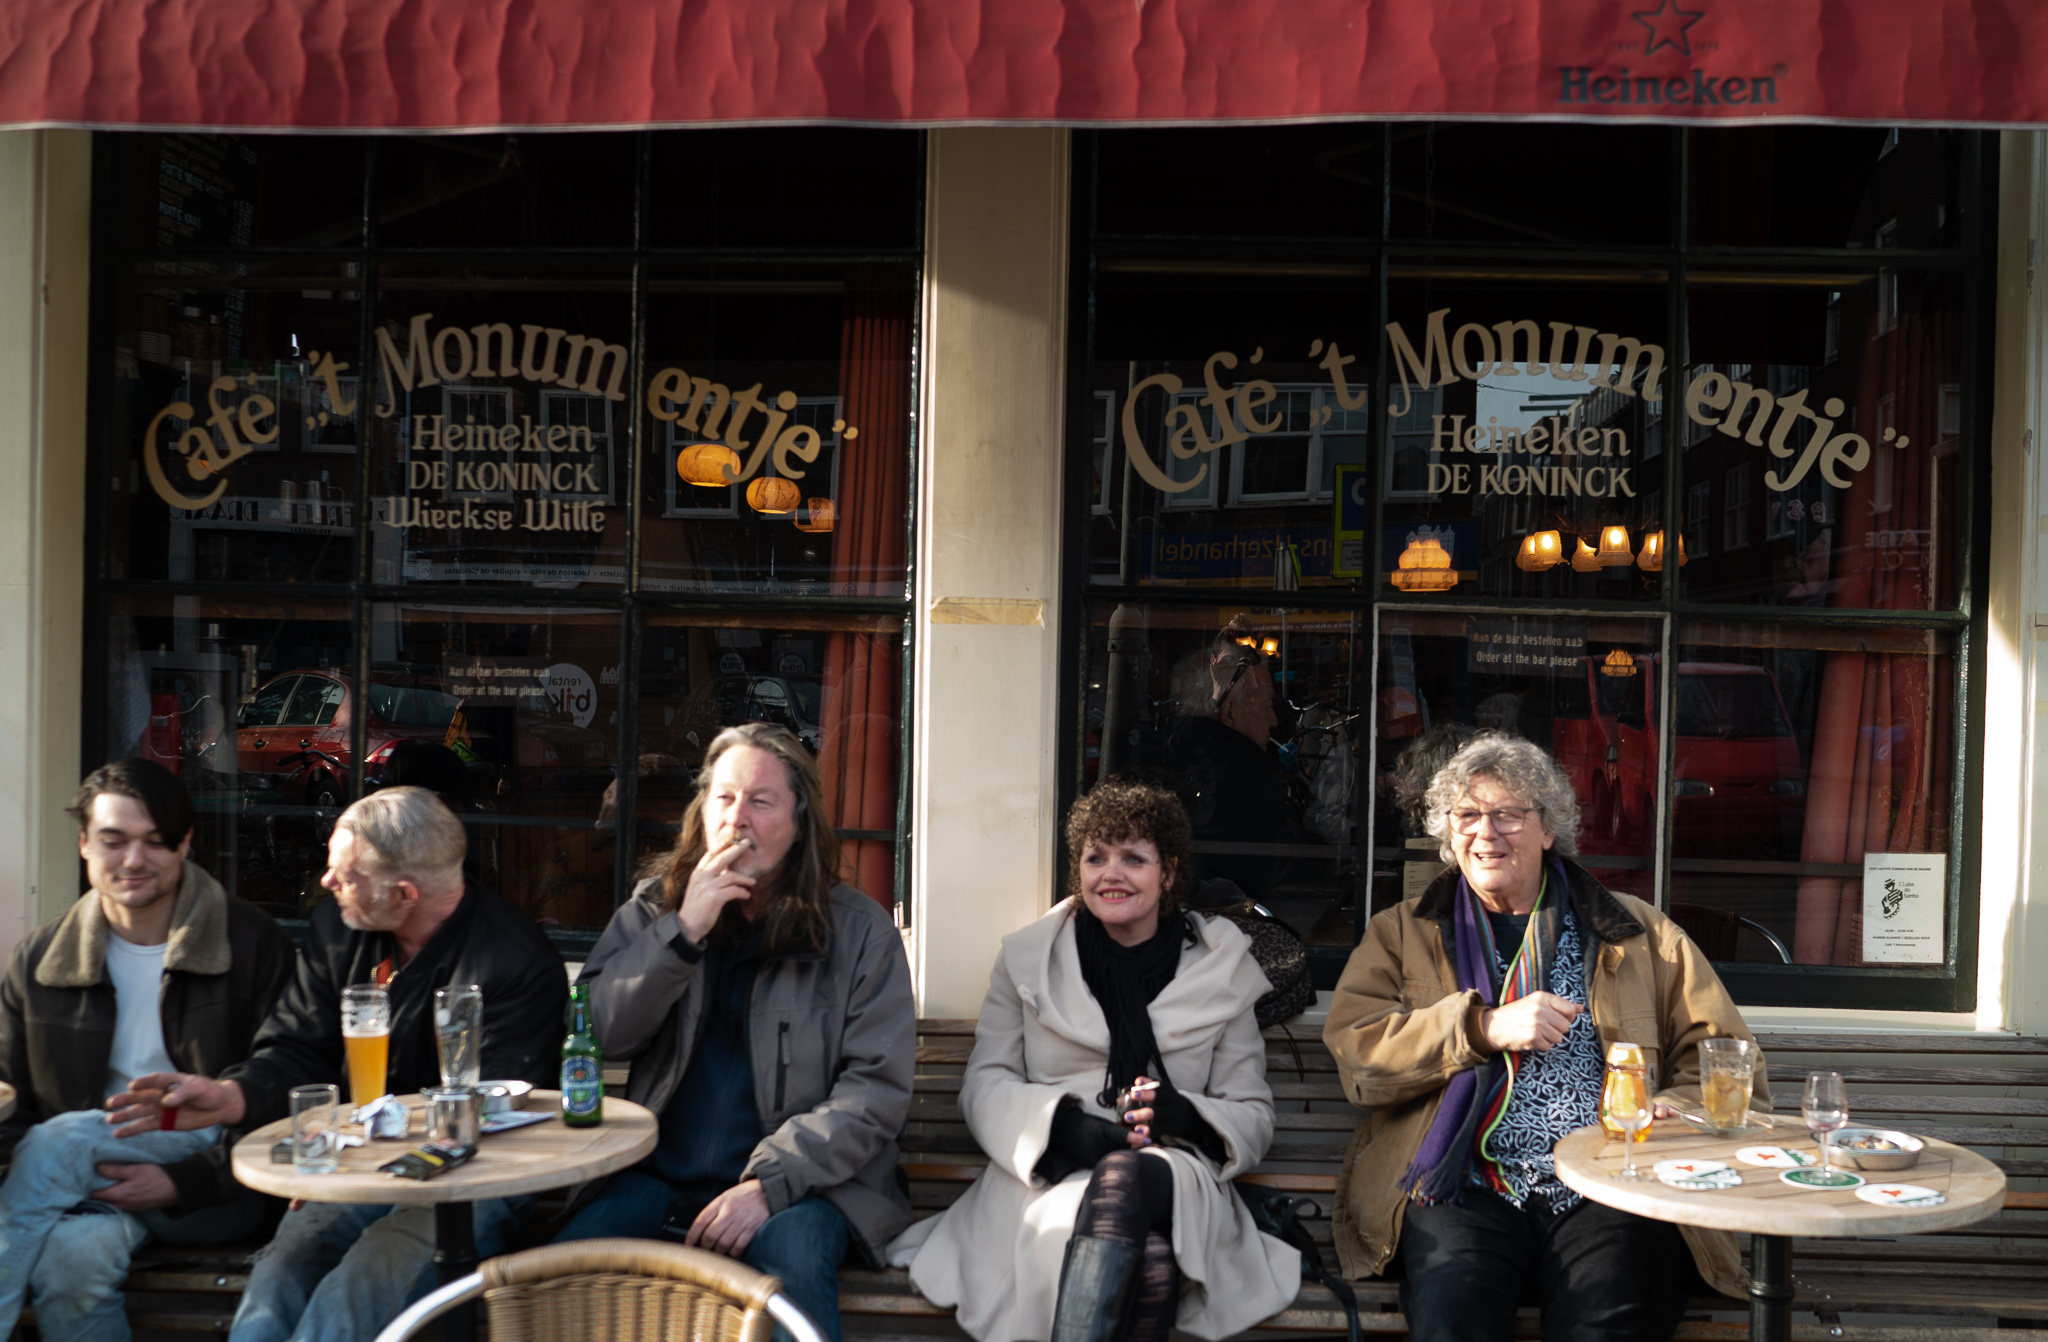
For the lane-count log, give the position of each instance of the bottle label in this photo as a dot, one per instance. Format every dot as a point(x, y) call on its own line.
point(582, 1085)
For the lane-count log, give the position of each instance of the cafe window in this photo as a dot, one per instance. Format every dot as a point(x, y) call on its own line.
point(513, 466)
point(1400, 452)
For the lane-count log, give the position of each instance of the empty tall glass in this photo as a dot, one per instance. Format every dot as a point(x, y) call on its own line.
point(315, 1129)
point(458, 1029)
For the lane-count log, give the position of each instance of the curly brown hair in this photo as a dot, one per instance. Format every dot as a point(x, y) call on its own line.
point(1120, 810)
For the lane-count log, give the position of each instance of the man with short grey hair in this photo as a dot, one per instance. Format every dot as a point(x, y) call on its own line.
point(403, 916)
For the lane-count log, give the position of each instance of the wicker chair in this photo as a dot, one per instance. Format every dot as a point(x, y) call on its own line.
point(616, 1290)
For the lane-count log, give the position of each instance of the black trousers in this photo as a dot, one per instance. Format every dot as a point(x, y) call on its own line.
point(1599, 1275)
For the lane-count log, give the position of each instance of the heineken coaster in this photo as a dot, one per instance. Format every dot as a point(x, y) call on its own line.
point(1814, 1179)
point(1689, 1169)
point(1774, 1157)
point(1900, 1195)
point(1706, 1183)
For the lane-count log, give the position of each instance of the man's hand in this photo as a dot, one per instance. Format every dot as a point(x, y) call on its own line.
point(136, 1188)
point(728, 1224)
point(1537, 1022)
point(197, 1101)
point(713, 885)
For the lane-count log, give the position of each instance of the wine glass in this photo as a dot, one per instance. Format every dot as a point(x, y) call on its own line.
point(1626, 1103)
point(1825, 1107)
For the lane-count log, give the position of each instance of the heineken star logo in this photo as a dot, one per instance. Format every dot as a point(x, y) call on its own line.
point(1668, 24)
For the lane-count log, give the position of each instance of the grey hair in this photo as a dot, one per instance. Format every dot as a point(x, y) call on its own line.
point(1524, 769)
point(411, 835)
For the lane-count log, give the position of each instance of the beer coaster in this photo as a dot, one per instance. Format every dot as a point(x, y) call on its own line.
point(1900, 1195)
point(1706, 1183)
point(1813, 1179)
point(1774, 1157)
point(1689, 1169)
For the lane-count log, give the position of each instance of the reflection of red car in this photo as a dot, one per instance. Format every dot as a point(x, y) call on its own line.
point(1740, 785)
point(294, 733)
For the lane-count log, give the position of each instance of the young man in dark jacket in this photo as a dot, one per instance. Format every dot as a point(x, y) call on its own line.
point(403, 916)
point(155, 966)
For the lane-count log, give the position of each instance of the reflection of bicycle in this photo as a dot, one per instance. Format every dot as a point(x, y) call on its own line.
point(1324, 775)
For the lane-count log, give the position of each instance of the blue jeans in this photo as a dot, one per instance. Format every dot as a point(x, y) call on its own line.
point(55, 1168)
point(76, 1286)
point(803, 1244)
point(338, 1272)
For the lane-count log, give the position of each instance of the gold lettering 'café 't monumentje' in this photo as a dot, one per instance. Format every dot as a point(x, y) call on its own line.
point(1668, 393)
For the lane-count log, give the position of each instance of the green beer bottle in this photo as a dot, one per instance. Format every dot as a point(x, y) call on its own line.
point(582, 1066)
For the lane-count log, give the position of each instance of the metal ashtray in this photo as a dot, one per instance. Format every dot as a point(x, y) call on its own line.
point(1876, 1148)
point(502, 1097)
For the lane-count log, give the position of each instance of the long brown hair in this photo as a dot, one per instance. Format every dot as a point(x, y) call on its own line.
point(800, 916)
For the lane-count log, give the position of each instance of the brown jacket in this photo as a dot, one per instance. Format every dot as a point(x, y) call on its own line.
point(1400, 1030)
point(225, 965)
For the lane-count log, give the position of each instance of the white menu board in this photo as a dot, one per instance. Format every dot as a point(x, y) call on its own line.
point(1905, 907)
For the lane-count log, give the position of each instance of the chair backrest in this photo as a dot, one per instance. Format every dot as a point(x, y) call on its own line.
point(625, 1290)
point(1712, 930)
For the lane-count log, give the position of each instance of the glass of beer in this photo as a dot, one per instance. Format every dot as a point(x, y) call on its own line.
point(1627, 1060)
point(1726, 1069)
point(458, 1028)
point(1625, 1104)
point(366, 1035)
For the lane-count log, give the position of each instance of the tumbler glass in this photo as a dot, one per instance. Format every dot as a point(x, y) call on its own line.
point(1727, 1067)
point(316, 1117)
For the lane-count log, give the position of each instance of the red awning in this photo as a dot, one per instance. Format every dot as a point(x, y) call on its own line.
point(371, 65)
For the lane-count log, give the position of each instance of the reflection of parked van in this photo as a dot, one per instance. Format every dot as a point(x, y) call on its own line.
point(1740, 785)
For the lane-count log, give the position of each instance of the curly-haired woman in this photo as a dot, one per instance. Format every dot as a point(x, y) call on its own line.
point(1118, 1082)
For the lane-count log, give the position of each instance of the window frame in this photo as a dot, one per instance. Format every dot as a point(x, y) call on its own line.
point(1946, 988)
point(363, 259)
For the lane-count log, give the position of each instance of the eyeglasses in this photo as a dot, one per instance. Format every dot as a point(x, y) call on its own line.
point(1506, 819)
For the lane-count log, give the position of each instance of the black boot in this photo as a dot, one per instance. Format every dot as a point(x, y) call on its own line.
point(1095, 1290)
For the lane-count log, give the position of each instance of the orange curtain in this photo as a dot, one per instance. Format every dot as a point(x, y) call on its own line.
point(863, 672)
point(1879, 780)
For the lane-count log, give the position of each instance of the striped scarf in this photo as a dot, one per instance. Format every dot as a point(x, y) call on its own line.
point(1453, 1153)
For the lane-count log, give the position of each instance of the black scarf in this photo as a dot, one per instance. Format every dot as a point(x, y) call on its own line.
point(1124, 980)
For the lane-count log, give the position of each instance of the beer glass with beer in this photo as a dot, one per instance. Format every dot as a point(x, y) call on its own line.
point(1625, 1103)
point(366, 1035)
point(1727, 1067)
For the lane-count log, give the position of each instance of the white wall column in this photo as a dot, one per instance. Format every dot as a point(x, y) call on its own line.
point(992, 409)
point(45, 257)
point(2012, 987)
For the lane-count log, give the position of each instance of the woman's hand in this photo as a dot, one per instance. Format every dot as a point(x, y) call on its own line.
point(713, 885)
point(1538, 1022)
point(1139, 1117)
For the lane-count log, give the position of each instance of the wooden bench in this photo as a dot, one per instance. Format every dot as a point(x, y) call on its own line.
point(1986, 1283)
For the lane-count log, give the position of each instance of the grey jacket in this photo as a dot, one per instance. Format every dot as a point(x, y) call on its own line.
point(833, 1043)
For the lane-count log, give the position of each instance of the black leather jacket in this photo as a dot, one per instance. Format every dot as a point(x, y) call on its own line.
point(485, 941)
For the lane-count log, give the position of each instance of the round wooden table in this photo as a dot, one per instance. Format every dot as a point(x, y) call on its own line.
point(1770, 1210)
point(525, 1160)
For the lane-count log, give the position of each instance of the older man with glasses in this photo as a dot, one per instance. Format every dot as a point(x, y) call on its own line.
point(1472, 1024)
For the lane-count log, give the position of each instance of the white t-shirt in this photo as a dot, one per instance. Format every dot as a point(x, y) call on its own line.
point(137, 973)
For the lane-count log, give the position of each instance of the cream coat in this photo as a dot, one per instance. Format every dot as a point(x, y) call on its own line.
point(995, 1254)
